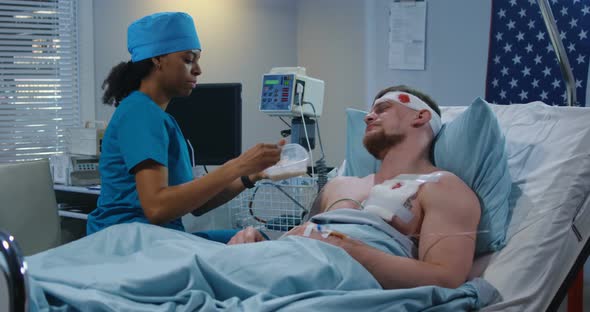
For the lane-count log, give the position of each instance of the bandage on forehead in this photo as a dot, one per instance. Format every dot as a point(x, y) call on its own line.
point(413, 102)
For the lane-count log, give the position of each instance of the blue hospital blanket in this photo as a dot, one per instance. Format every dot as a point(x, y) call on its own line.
point(370, 229)
point(141, 267)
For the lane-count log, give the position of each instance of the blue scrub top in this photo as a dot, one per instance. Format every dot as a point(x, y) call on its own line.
point(139, 130)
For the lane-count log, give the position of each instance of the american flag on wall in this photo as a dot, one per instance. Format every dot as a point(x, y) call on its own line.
point(522, 65)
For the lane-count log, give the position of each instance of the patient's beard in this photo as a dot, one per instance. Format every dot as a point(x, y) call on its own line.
point(379, 143)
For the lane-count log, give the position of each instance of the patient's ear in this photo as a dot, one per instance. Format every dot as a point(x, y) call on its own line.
point(421, 118)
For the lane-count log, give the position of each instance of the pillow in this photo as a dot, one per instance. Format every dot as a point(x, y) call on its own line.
point(359, 162)
point(472, 147)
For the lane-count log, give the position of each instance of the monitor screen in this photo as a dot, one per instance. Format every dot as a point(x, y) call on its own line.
point(211, 119)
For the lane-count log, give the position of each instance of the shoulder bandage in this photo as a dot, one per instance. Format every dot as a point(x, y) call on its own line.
point(413, 102)
point(393, 197)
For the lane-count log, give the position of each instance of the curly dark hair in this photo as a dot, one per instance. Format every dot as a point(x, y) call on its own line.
point(123, 79)
point(424, 97)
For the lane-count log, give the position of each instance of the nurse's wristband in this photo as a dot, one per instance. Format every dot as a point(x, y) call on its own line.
point(247, 182)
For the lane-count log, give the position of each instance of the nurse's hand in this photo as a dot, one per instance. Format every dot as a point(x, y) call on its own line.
point(247, 235)
point(259, 157)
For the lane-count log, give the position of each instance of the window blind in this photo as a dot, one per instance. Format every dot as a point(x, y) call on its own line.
point(38, 77)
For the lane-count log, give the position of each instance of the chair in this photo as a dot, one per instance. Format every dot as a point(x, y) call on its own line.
point(28, 208)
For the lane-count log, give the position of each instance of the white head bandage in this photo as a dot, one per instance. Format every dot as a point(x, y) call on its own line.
point(413, 102)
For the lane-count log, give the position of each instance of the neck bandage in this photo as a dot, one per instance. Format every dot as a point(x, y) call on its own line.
point(413, 102)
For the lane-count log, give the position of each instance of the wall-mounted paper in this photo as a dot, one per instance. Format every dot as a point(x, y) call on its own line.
point(407, 35)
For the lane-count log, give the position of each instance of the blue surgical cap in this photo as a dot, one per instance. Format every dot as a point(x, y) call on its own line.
point(161, 33)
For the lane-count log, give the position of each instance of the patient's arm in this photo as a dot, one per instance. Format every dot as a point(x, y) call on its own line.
point(450, 207)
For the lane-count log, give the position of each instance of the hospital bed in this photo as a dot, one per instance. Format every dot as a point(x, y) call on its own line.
point(548, 243)
point(567, 228)
point(549, 163)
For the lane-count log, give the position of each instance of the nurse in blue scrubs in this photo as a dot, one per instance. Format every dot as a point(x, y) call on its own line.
point(146, 175)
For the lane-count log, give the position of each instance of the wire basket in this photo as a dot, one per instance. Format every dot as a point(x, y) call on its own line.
point(274, 206)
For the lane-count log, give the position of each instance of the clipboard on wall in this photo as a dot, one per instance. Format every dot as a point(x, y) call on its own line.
point(407, 35)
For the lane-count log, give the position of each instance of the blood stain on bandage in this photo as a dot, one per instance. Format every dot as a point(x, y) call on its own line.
point(404, 98)
point(396, 186)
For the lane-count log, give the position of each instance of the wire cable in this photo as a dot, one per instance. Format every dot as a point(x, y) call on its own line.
point(359, 204)
point(286, 123)
point(190, 146)
point(307, 140)
point(317, 124)
point(306, 134)
point(320, 164)
point(251, 201)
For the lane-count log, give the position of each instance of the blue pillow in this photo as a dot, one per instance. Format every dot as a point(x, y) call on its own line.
point(471, 146)
point(359, 162)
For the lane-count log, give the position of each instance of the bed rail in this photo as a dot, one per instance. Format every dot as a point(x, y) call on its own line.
point(15, 272)
point(564, 64)
point(570, 84)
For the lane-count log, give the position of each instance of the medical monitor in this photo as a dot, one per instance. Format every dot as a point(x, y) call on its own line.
point(288, 91)
point(211, 119)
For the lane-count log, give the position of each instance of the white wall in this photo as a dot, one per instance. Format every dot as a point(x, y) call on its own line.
point(457, 38)
point(241, 40)
point(330, 43)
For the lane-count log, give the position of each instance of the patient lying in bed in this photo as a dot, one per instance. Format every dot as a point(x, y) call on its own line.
point(441, 216)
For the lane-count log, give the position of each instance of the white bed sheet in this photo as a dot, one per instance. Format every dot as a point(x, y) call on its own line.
point(549, 159)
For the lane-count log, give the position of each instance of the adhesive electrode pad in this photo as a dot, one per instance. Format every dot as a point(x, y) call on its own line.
point(393, 197)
